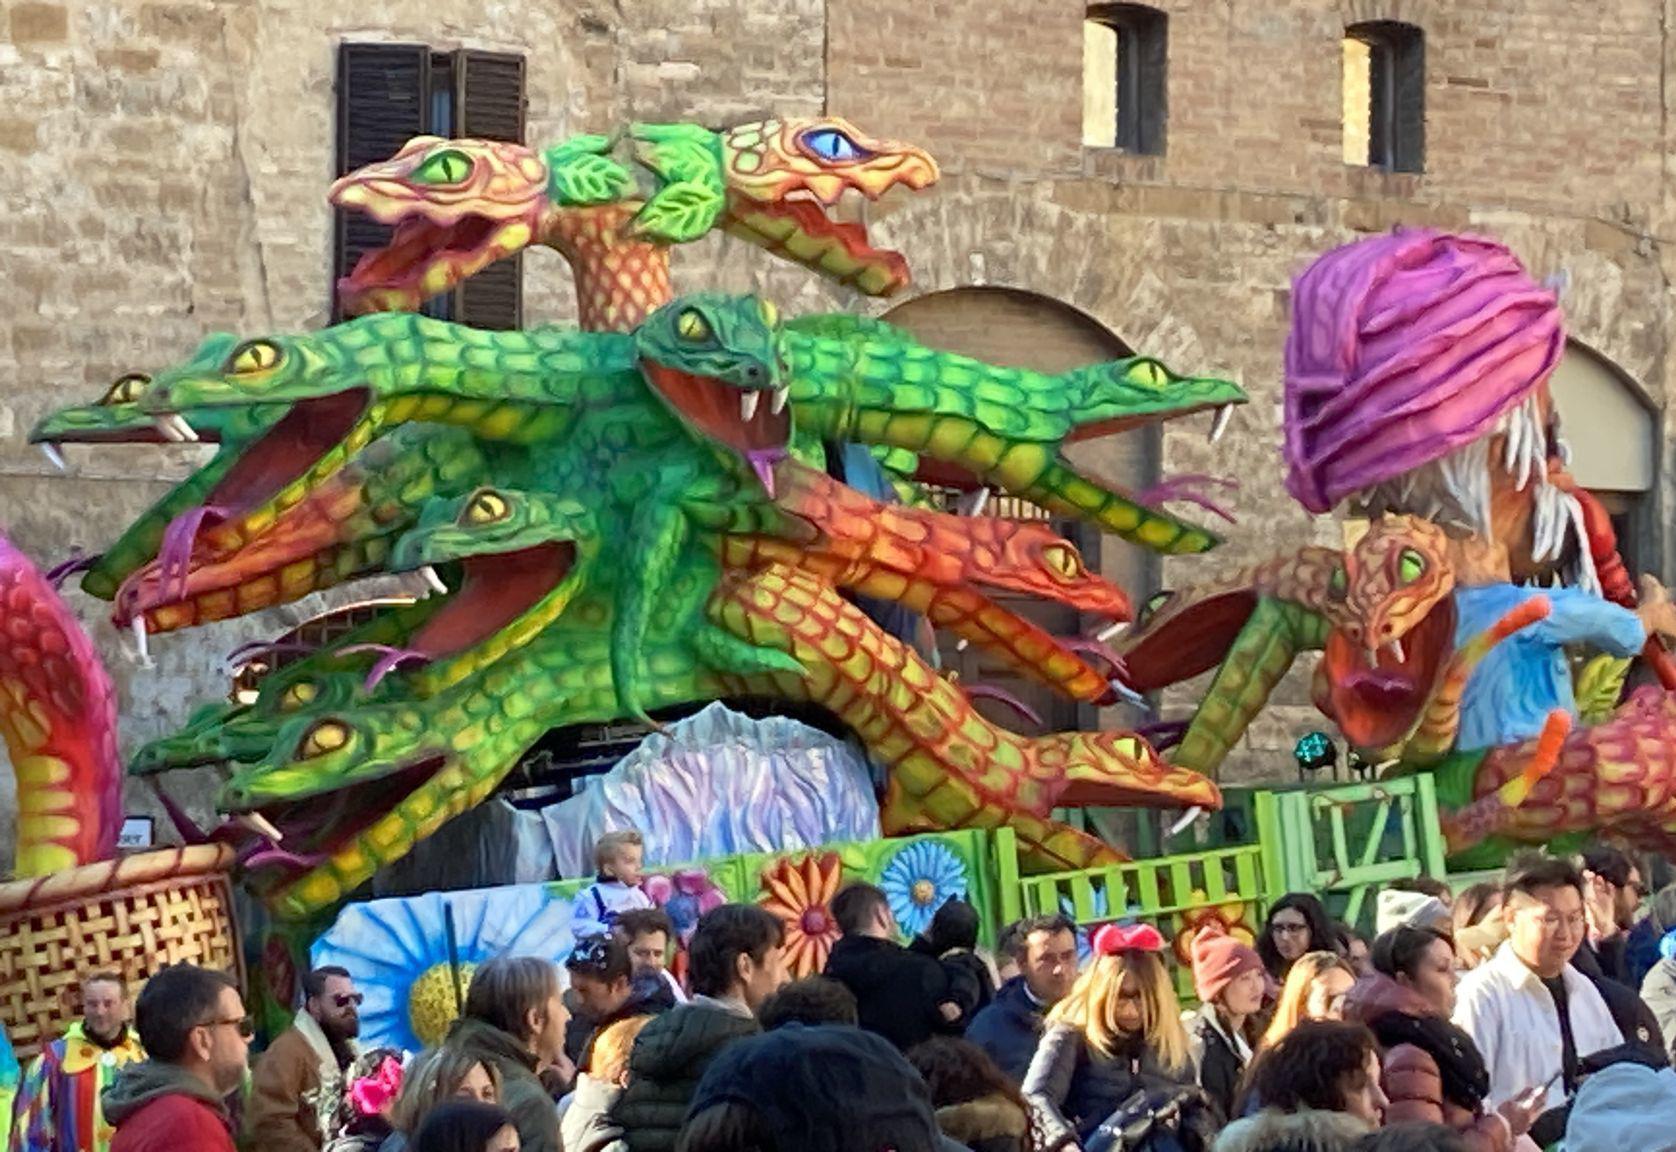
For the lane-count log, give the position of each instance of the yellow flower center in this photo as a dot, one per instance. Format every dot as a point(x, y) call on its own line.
point(431, 1004)
point(924, 891)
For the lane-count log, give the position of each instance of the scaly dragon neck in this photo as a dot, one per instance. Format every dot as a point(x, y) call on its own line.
point(619, 280)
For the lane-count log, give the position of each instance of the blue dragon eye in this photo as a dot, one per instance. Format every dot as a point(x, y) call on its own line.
point(831, 144)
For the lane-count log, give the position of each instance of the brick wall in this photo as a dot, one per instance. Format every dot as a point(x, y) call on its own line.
point(168, 162)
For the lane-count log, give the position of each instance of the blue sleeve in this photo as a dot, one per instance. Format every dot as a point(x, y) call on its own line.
point(1580, 617)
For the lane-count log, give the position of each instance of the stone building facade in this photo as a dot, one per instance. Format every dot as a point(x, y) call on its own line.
point(167, 162)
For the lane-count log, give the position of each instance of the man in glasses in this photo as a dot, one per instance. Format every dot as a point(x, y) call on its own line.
point(58, 1104)
point(1533, 1016)
point(298, 1082)
point(192, 1025)
point(1613, 892)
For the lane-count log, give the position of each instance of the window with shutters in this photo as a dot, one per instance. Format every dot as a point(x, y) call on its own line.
point(1385, 96)
point(389, 93)
point(1125, 51)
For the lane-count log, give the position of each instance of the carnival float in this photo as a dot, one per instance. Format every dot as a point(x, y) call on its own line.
point(690, 513)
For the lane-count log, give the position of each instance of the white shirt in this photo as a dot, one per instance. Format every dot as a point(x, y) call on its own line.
point(597, 907)
point(1503, 1006)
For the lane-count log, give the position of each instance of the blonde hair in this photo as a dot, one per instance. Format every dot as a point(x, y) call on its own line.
point(1091, 1008)
point(435, 1076)
point(605, 848)
point(609, 1061)
point(1293, 1006)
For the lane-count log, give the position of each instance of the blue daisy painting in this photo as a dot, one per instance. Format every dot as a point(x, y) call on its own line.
point(398, 954)
point(920, 879)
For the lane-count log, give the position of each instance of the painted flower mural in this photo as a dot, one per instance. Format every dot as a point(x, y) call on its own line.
point(1233, 917)
point(685, 896)
point(798, 890)
point(920, 879)
point(398, 953)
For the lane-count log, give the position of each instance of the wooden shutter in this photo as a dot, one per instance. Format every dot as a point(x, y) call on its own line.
point(383, 95)
point(1381, 72)
point(1408, 116)
point(1154, 71)
point(489, 105)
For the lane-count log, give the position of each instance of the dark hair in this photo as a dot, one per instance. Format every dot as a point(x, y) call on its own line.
point(728, 1127)
point(855, 904)
point(602, 957)
point(811, 1000)
point(723, 935)
point(1531, 872)
point(1426, 886)
point(955, 925)
point(176, 1000)
point(1399, 951)
point(1014, 939)
point(1321, 936)
point(1610, 864)
point(1473, 902)
point(460, 1126)
point(314, 981)
point(638, 922)
point(1344, 933)
point(1413, 1137)
point(1310, 1067)
point(958, 1072)
point(506, 989)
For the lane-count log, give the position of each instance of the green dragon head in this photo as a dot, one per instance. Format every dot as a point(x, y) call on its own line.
point(522, 559)
point(460, 205)
point(118, 417)
point(714, 359)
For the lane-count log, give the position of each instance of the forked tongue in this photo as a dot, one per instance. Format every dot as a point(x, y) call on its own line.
point(762, 463)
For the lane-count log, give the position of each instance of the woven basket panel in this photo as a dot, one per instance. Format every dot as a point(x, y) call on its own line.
point(45, 951)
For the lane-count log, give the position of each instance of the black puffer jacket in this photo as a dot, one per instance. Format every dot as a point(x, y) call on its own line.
point(669, 1059)
point(1073, 1088)
point(896, 991)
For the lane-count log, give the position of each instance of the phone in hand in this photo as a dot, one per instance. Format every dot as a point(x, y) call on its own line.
point(1531, 1097)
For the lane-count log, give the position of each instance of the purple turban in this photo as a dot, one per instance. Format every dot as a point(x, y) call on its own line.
point(1402, 349)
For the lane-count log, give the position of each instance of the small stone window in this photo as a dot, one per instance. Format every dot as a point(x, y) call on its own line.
point(1385, 96)
point(1125, 52)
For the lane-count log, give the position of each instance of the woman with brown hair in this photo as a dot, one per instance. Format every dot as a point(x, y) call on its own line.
point(441, 1074)
point(1432, 1069)
point(1314, 990)
point(977, 1107)
point(1118, 1031)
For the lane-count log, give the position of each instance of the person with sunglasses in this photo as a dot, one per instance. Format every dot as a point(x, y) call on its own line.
point(299, 1079)
point(1612, 897)
point(193, 1027)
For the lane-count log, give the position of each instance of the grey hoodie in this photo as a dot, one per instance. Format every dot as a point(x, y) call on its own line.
point(137, 1085)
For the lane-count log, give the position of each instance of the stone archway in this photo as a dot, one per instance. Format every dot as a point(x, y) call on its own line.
point(1022, 329)
point(1613, 433)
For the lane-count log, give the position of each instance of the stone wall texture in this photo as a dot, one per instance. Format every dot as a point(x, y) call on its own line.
point(167, 163)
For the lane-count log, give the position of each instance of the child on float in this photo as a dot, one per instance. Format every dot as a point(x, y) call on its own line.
point(620, 859)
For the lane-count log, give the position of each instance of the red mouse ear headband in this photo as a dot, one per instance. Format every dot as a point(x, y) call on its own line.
point(1115, 939)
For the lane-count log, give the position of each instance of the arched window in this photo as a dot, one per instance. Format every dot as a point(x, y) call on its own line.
point(1385, 96)
point(1613, 436)
point(1125, 52)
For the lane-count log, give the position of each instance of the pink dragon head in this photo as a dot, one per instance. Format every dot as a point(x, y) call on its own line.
point(1403, 348)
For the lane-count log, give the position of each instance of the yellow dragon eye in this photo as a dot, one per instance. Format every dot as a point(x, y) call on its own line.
point(1063, 560)
point(127, 389)
point(1150, 374)
point(1153, 603)
point(448, 167)
point(1338, 584)
point(1410, 566)
point(486, 508)
point(256, 356)
point(299, 695)
point(691, 325)
point(325, 737)
point(770, 314)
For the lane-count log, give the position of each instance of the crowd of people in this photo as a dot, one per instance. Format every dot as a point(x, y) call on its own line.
point(1524, 1015)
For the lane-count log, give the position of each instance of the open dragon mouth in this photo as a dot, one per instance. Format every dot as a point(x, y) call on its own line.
point(310, 431)
point(496, 590)
point(425, 258)
point(314, 828)
point(803, 230)
point(1377, 697)
point(752, 422)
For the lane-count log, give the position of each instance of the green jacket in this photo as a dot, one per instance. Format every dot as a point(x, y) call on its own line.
point(669, 1058)
point(521, 1093)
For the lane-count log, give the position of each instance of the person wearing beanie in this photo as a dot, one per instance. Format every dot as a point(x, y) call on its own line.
point(1622, 1107)
point(1230, 981)
point(1402, 909)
